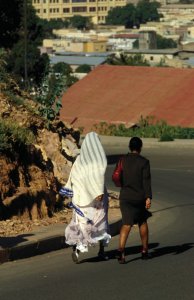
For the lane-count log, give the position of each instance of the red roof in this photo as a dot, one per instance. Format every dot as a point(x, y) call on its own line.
point(122, 94)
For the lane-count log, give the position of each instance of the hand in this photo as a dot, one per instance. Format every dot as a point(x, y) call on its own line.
point(99, 198)
point(98, 202)
point(148, 203)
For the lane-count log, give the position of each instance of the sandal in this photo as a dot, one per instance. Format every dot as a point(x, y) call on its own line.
point(145, 255)
point(120, 257)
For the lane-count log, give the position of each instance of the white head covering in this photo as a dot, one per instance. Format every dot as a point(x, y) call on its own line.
point(88, 171)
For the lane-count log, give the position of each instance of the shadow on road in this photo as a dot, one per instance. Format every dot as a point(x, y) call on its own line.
point(175, 250)
point(11, 241)
point(171, 207)
point(128, 251)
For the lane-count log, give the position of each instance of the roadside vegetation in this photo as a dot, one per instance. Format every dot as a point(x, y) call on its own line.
point(12, 135)
point(147, 127)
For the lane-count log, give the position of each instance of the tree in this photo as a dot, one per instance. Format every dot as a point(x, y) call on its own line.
point(62, 68)
point(147, 11)
point(131, 16)
point(125, 60)
point(164, 43)
point(38, 65)
point(122, 16)
point(83, 69)
point(48, 25)
point(80, 22)
point(10, 21)
point(23, 59)
point(6, 81)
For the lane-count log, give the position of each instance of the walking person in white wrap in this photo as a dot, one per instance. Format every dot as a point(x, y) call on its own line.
point(86, 183)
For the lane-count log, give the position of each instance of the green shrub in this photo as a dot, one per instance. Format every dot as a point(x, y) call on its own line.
point(83, 69)
point(12, 134)
point(147, 127)
point(16, 100)
point(165, 137)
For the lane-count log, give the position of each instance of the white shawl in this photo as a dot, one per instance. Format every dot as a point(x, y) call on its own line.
point(88, 171)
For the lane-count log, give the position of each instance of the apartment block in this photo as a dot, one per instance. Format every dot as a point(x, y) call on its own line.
point(97, 10)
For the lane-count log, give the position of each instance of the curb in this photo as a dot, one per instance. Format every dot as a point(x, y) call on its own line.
point(43, 245)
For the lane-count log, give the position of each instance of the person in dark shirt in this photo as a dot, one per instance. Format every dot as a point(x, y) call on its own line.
point(135, 197)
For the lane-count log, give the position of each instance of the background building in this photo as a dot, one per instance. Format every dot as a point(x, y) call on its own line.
point(97, 10)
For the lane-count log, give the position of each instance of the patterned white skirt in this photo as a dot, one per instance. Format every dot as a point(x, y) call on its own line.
point(83, 234)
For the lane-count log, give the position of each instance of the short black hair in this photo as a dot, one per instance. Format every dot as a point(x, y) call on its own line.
point(135, 144)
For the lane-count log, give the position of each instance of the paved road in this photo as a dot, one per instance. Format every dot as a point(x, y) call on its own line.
point(169, 275)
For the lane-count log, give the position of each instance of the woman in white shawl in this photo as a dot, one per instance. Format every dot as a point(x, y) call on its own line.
point(89, 223)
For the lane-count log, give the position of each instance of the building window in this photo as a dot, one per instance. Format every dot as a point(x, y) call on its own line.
point(65, 1)
point(151, 58)
point(66, 10)
point(78, 1)
point(44, 11)
point(38, 11)
point(92, 9)
point(92, 0)
point(79, 9)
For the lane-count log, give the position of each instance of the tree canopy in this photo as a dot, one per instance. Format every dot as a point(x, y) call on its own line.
point(147, 11)
point(48, 25)
point(131, 15)
point(21, 34)
point(80, 22)
point(83, 69)
point(62, 68)
point(164, 43)
point(10, 21)
point(128, 60)
point(122, 16)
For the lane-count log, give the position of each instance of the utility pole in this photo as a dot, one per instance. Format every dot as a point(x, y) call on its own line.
point(25, 46)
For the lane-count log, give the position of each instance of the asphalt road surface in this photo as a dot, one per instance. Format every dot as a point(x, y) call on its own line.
point(169, 275)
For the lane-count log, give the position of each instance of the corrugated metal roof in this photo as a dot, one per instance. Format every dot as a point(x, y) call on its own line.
point(78, 60)
point(93, 54)
point(154, 51)
point(125, 93)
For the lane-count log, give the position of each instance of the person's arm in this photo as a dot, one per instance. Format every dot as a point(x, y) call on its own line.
point(147, 184)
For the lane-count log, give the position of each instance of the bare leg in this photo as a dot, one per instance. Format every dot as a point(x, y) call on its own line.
point(144, 234)
point(124, 232)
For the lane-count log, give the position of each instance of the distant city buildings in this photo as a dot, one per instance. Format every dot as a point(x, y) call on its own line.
point(177, 23)
point(97, 10)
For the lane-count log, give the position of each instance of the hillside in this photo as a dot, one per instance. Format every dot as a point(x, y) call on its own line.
point(35, 159)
